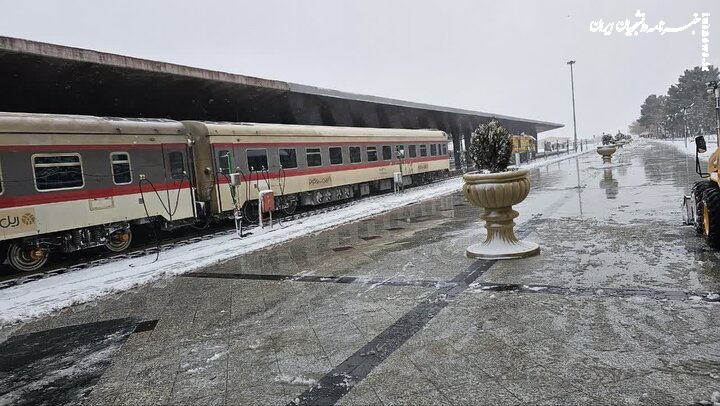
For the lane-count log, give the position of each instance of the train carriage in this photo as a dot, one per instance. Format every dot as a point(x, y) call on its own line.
point(308, 165)
point(73, 182)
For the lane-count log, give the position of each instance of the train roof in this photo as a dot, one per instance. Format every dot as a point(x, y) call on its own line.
point(261, 129)
point(13, 123)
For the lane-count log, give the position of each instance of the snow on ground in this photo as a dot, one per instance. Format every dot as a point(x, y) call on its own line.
point(690, 148)
point(555, 158)
point(43, 296)
point(46, 295)
point(295, 380)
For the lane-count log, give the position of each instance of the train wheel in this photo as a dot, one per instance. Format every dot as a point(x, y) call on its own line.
point(24, 258)
point(291, 207)
point(250, 212)
point(119, 241)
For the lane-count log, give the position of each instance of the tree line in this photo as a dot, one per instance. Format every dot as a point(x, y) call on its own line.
point(686, 106)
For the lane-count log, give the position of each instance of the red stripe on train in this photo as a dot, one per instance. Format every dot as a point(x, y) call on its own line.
point(72, 195)
point(333, 168)
point(321, 143)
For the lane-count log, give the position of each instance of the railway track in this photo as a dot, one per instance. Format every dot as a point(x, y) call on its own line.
point(89, 261)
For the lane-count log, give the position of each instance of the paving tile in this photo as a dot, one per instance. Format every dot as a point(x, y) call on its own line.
point(148, 385)
point(202, 372)
point(534, 384)
point(425, 396)
point(309, 367)
point(270, 395)
point(360, 395)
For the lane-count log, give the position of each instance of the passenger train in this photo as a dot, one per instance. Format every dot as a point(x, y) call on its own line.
point(73, 182)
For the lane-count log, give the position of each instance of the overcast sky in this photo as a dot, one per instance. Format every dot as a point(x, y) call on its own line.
point(504, 57)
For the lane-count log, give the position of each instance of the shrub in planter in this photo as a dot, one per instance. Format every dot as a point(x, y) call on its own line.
point(491, 147)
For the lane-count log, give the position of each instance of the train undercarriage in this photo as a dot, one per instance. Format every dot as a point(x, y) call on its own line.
point(31, 253)
point(288, 204)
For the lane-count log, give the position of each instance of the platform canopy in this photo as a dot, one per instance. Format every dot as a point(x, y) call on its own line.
point(46, 78)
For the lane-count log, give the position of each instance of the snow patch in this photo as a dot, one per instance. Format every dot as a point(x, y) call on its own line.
point(346, 380)
point(540, 162)
point(295, 380)
point(689, 150)
point(215, 357)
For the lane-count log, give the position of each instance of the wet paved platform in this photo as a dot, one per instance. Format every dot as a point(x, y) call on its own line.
point(388, 310)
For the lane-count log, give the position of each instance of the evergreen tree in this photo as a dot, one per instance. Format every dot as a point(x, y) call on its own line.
point(691, 90)
point(637, 129)
point(663, 115)
point(652, 114)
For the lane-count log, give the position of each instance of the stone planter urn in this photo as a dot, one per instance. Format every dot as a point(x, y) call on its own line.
point(496, 193)
point(606, 152)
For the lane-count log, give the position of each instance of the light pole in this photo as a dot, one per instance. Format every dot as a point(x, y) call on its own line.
point(572, 86)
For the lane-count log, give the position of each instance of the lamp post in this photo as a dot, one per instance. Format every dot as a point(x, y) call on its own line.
point(572, 86)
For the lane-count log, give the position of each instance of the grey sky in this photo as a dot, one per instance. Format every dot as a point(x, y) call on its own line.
point(504, 57)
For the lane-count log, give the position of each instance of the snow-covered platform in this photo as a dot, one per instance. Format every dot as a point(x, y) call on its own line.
point(618, 308)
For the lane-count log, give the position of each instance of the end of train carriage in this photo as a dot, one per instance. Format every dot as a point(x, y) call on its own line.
point(79, 182)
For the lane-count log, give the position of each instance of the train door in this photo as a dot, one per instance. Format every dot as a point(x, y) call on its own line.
point(179, 199)
point(225, 162)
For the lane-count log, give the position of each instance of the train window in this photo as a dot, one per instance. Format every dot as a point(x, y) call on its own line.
point(444, 149)
point(58, 172)
point(120, 163)
point(413, 151)
point(355, 155)
point(336, 156)
point(314, 158)
point(257, 159)
point(387, 152)
point(400, 150)
point(288, 158)
point(371, 154)
point(177, 165)
point(225, 158)
point(433, 149)
point(1, 181)
point(423, 150)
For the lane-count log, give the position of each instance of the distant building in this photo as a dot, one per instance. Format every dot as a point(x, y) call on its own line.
point(555, 143)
